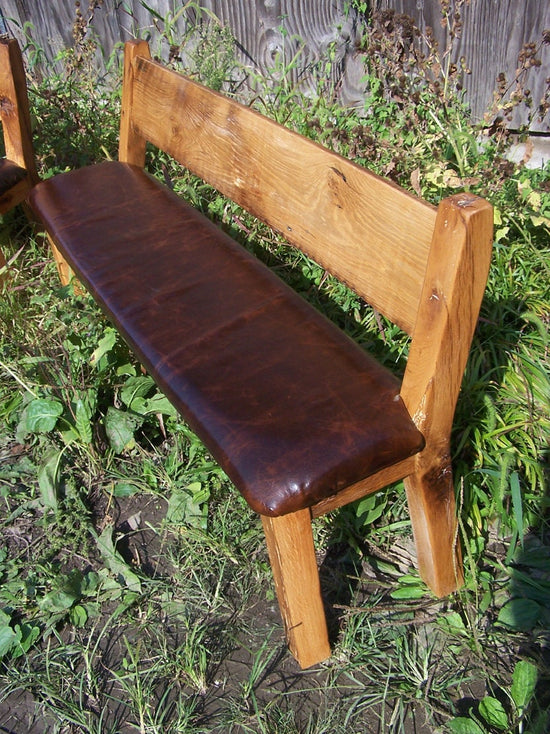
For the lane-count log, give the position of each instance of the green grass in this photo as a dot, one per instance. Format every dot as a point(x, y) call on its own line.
point(135, 591)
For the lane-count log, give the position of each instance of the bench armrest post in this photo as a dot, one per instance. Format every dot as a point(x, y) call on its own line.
point(16, 120)
point(131, 145)
point(453, 289)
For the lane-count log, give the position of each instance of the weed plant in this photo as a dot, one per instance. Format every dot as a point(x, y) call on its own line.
point(135, 593)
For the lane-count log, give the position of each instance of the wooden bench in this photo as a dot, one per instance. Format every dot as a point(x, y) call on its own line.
point(301, 418)
point(17, 168)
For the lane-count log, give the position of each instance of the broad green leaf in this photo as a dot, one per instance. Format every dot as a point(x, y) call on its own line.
point(160, 404)
point(408, 592)
point(524, 681)
point(8, 639)
point(78, 615)
point(124, 489)
point(28, 634)
point(462, 725)
point(82, 421)
point(138, 405)
point(115, 562)
point(42, 414)
point(48, 479)
point(60, 600)
point(519, 614)
point(126, 369)
point(409, 579)
point(120, 427)
point(106, 343)
point(370, 508)
point(452, 623)
point(63, 598)
point(136, 387)
point(493, 712)
point(90, 584)
point(188, 506)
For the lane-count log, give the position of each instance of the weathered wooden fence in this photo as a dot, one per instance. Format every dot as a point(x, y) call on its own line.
point(493, 34)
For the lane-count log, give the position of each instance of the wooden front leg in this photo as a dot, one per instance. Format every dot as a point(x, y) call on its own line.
point(431, 499)
point(292, 556)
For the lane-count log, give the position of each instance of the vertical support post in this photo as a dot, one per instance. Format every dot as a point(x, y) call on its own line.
point(16, 120)
point(131, 147)
point(432, 507)
point(453, 289)
point(63, 267)
point(292, 556)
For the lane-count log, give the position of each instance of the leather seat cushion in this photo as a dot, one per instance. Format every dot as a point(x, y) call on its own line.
point(289, 406)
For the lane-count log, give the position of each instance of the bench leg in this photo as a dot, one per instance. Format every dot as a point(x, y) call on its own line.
point(62, 265)
point(292, 556)
point(2, 263)
point(431, 500)
point(64, 270)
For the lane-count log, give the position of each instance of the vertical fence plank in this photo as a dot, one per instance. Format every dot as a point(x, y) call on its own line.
point(270, 31)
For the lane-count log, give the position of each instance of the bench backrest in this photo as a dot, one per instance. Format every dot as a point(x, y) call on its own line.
point(422, 268)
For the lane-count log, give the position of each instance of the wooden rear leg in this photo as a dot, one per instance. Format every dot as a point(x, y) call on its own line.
point(431, 500)
point(2, 263)
point(63, 267)
point(64, 270)
point(292, 556)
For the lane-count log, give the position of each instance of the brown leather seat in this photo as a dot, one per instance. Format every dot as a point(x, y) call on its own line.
point(290, 407)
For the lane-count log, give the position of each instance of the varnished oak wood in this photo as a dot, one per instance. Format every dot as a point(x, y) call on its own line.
point(16, 125)
point(132, 144)
point(425, 269)
point(14, 109)
point(453, 289)
point(63, 268)
point(371, 234)
point(292, 557)
point(367, 486)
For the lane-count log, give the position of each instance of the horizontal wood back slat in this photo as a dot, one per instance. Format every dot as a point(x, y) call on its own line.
point(369, 233)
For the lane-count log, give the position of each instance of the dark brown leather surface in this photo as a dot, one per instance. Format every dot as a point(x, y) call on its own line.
point(289, 406)
point(10, 174)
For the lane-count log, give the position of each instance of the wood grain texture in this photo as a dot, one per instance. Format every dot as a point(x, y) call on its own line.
point(494, 32)
point(368, 232)
point(426, 271)
point(367, 486)
point(455, 281)
point(14, 109)
point(264, 31)
point(132, 144)
point(16, 126)
point(292, 556)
